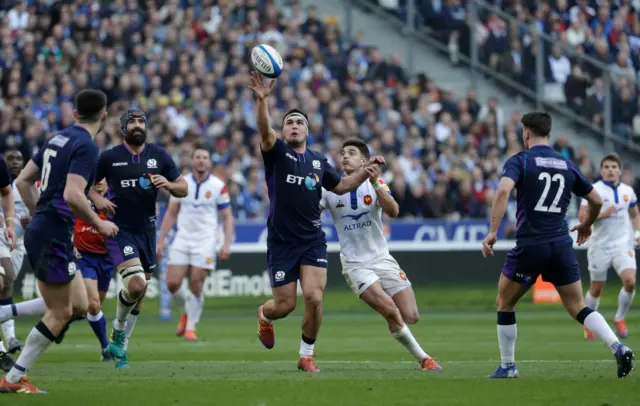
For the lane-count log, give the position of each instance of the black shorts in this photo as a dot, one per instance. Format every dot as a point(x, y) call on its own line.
point(555, 261)
point(140, 245)
point(49, 249)
point(284, 261)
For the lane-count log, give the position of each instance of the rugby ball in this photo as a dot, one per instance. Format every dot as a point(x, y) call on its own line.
point(267, 61)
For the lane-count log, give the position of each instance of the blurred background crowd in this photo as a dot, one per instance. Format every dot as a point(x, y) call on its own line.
point(186, 64)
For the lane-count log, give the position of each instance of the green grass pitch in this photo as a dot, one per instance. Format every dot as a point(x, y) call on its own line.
point(360, 362)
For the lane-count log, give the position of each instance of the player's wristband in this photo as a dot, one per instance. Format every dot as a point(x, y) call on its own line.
point(8, 219)
point(376, 186)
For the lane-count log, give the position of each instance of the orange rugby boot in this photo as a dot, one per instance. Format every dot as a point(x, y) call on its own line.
point(621, 328)
point(265, 331)
point(182, 325)
point(22, 387)
point(588, 335)
point(307, 364)
point(430, 364)
point(191, 335)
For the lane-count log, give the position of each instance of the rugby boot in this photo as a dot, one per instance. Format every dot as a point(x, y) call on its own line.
point(307, 364)
point(182, 325)
point(191, 335)
point(509, 372)
point(13, 345)
point(430, 364)
point(122, 363)
point(106, 356)
point(117, 347)
point(6, 362)
point(265, 331)
point(624, 358)
point(22, 387)
point(621, 328)
point(588, 335)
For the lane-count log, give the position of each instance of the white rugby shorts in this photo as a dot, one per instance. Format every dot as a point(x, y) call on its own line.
point(601, 259)
point(360, 276)
point(197, 253)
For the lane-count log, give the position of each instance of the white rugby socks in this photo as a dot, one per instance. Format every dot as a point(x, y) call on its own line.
point(33, 307)
point(194, 310)
point(408, 341)
point(598, 326)
point(592, 302)
point(9, 329)
point(507, 336)
point(123, 309)
point(306, 346)
point(132, 319)
point(37, 342)
point(624, 303)
point(180, 298)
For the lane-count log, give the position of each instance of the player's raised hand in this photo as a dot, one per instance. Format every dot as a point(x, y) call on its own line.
point(159, 181)
point(105, 205)
point(107, 229)
point(10, 236)
point(225, 252)
point(584, 232)
point(487, 244)
point(259, 88)
point(376, 160)
point(374, 173)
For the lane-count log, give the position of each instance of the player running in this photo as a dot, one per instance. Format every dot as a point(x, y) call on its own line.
point(544, 180)
point(371, 272)
point(613, 242)
point(94, 258)
point(195, 243)
point(134, 171)
point(65, 164)
point(11, 260)
point(296, 245)
point(8, 244)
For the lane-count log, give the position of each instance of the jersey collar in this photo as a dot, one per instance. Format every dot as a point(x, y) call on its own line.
point(611, 185)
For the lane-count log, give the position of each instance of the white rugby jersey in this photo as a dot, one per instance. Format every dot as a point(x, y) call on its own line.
point(617, 229)
point(198, 214)
point(21, 210)
point(358, 219)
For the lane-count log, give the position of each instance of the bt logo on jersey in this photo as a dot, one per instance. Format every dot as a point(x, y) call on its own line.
point(311, 181)
point(144, 182)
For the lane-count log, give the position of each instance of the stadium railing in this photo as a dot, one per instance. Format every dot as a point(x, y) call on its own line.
point(544, 94)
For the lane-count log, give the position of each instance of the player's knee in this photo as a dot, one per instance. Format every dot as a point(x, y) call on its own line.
point(629, 284)
point(94, 305)
point(411, 317)
point(134, 282)
point(313, 298)
point(504, 305)
point(196, 287)
point(62, 314)
point(284, 305)
point(173, 285)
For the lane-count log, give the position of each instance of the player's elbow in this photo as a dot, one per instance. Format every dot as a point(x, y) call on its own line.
point(70, 196)
point(393, 211)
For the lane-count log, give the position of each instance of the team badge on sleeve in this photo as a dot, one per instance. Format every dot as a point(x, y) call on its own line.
point(224, 200)
point(384, 186)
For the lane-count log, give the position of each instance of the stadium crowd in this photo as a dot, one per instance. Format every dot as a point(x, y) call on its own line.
point(188, 68)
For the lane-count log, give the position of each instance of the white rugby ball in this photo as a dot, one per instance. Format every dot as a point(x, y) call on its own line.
point(267, 61)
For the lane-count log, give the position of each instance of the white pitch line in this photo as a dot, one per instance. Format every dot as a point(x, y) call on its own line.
point(364, 362)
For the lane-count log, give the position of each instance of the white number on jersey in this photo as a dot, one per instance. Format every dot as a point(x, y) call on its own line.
point(46, 168)
point(546, 177)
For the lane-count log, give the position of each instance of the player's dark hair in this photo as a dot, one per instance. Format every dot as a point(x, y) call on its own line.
point(359, 144)
point(298, 111)
point(538, 122)
point(200, 147)
point(90, 104)
point(612, 157)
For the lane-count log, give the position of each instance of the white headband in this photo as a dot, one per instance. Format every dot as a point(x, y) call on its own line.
point(297, 115)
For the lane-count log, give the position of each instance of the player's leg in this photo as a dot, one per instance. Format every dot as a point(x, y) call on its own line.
point(625, 266)
point(51, 262)
point(564, 273)
point(313, 280)
point(176, 272)
point(284, 272)
point(599, 263)
point(95, 317)
point(7, 274)
point(515, 280)
point(79, 303)
point(195, 301)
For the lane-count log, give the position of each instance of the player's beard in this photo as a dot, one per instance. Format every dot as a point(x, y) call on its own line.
point(296, 143)
point(136, 137)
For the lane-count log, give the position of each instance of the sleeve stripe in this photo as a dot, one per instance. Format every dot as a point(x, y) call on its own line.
point(633, 204)
point(224, 205)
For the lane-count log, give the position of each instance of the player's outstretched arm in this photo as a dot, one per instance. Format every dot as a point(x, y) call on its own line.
point(177, 188)
point(227, 225)
point(77, 201)
point(26, 184)
point(8, 204)
point(168, 221)
point(351, 182)
point(267, 134)
point(593, 208)
point(500, 201)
